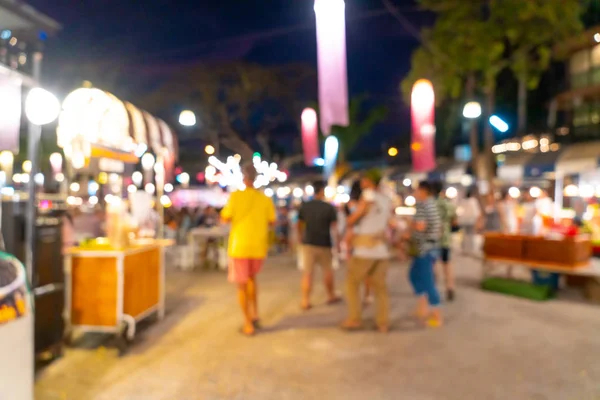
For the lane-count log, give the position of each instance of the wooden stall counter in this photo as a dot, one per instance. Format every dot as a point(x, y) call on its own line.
point(569, 255)
point(110, 290)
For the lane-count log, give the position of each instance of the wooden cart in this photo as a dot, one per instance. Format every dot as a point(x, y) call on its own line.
point(111, 290)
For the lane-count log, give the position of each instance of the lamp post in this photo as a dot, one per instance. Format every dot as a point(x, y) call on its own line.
point(41, 108)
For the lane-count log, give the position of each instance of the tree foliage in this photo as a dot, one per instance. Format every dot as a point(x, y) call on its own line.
point(362, 121)
point(531, 27)
point(236, 103)
point(473, 41)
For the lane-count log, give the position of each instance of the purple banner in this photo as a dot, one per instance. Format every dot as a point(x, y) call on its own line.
point(331, 49)
point(10, 114)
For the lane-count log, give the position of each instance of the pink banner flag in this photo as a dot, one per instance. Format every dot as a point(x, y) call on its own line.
point(423, 126)
point(10, 114)
point(310, 136)
point(333, 76)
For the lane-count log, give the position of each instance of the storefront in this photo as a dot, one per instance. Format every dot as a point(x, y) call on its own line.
point(22, 33)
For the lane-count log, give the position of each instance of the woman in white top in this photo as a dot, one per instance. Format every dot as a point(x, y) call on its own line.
point(530, 213)
point(508, 214)
point(468, 215)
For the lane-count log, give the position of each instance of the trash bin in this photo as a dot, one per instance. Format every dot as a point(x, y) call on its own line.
point(16, 331)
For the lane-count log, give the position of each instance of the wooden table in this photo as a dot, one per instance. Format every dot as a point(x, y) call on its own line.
point(111, 290)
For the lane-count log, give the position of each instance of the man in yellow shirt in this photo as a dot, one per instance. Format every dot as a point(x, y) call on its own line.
point(251, 213)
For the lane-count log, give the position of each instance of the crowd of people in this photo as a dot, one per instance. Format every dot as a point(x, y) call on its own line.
point(369, 236)
point(178, 222)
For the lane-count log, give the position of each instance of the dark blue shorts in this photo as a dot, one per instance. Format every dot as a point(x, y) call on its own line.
point(445, 254)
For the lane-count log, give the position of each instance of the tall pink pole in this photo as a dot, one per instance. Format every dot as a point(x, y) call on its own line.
point(333, 75)
point(310, 136)
point(423, 126)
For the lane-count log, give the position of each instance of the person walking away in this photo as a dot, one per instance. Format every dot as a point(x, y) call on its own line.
point(251, 214)
point(545, 211)
point(426, 234)
point(469, 217)
point(447, 212)
point(294, 240)
point(283, 230)
point(355, 194)
point(530, 213)
point(508, 214)
point(317, 219)
point(370, 254)
point(185, 225)
point(493, 220)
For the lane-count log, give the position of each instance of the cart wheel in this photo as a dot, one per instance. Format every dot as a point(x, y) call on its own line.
point(122, 346)
point(122, 342)
point(58, 351)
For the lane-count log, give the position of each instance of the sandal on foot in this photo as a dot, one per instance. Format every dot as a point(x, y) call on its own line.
point(334, 300)
point(351, 326)
point(246, 333)
point(434, 323)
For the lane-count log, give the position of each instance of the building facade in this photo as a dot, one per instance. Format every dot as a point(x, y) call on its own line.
point(575, 111)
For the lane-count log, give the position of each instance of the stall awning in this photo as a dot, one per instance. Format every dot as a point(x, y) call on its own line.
point(450, 172)
point(580, 157)
point(513, 167)
point(137, 127)
point(541, 163)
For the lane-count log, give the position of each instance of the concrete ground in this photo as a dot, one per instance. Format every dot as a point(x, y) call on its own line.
point(492, 347)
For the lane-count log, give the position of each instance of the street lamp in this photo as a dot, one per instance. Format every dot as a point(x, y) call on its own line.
point(210, 150)
point(187, 118)
point(41, 108)
point(472, 110)
point(392, 152)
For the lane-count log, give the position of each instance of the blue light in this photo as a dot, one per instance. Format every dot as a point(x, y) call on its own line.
point(319, 162)
point(498, 123)
point(6, 34)
point(43, 36)
point(332, 146)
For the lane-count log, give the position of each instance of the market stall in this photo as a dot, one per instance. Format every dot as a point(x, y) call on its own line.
point(111, 290)
point(113, 282)
point(548, 257)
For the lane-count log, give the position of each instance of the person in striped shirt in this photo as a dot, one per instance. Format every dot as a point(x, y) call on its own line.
point(426, 236)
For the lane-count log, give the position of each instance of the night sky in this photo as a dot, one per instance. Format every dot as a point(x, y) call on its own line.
point(164, 34)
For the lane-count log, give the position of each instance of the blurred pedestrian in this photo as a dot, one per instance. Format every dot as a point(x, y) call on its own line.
point(251, 213)
point(508, 214)
point(425, 241)
point(447, 212)
point(469, 218)
point(317, 220)
point(355, 195)
point(370, 254)
point(282, 229)
point(530, 214)
point(493, 219)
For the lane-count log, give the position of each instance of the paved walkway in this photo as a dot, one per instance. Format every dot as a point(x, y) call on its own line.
point(492, 347)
